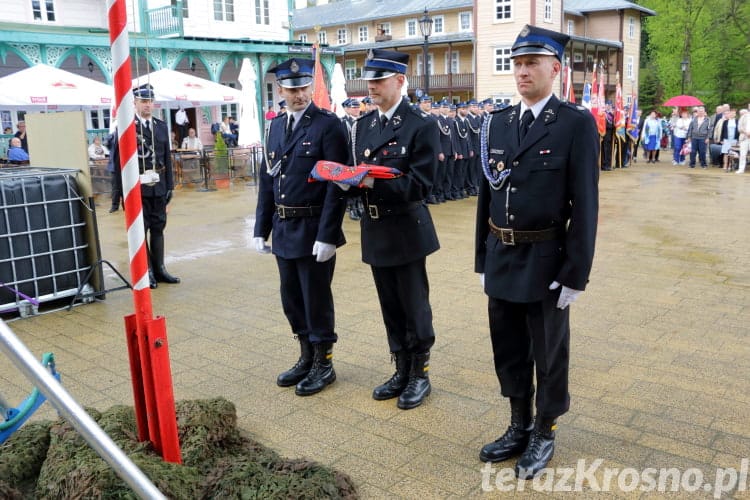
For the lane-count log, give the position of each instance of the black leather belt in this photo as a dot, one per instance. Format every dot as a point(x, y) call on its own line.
point(377, 211)
point(285, 212)
point(509, 236)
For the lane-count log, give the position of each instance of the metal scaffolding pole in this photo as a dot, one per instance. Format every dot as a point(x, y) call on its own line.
point(76, 415)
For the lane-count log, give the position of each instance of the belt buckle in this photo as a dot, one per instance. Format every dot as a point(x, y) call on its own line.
point(507, 237)
point(281, 211)
point(373, 211)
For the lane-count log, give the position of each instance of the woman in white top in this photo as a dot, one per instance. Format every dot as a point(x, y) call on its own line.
point(680, 130)
point(97, 151)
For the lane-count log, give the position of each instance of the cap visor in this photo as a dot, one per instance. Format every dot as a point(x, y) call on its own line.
point(293, 83)
point(370, 74)
point(541, 51)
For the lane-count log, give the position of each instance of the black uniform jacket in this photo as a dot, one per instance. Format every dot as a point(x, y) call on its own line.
point(410, 143)
point(319, 135)
point(152, 153)
point(553, 183)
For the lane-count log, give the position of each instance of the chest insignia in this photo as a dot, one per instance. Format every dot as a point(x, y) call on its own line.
point(367, 153)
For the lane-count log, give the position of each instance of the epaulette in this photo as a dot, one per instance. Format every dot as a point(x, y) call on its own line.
point(576, 107)
point(506, 108)
point(368, 113)
point(326, 112)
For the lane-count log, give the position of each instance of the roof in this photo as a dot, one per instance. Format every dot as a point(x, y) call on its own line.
point(408, 42)
point(581, 7)
point(357, 11)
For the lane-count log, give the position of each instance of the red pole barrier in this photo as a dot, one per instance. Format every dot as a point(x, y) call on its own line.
point(155, 412)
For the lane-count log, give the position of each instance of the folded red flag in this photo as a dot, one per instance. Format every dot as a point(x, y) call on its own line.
point(325, 170)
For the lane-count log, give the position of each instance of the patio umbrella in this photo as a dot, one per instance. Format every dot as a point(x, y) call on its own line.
point(47, 88)
point(683, 101)
point(338, 90)
point(174, 89)
point(249, 126)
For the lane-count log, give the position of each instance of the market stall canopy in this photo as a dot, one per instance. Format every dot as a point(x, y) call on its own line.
point(179, 90)
point(46, 88)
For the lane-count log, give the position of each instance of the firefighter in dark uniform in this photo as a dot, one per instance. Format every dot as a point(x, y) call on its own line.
point(157, 180)
point(475, 125)
point(448, 149)
point(465, 151)
point(352, 110)
point(397, 229)
point(305, 219)
point(536, 226)
point(425, 106)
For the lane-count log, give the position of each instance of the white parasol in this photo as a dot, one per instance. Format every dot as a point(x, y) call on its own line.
point(249, 123)
point(338, 90)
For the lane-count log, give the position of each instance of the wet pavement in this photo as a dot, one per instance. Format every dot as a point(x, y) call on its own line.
point(660, 346)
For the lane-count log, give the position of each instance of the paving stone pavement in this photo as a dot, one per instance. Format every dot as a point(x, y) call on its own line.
point(660, 354)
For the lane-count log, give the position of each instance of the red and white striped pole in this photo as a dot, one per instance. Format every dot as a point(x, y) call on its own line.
point(147, 337)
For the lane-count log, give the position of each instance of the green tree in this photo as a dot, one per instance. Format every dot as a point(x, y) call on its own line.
point(713, 36)
point(651, 93)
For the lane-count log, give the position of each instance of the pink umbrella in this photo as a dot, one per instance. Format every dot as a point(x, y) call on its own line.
point(683, 101)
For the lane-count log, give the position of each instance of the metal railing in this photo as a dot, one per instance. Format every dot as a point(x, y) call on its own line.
point(76, 415)
point(165, 21)
point(441, 82)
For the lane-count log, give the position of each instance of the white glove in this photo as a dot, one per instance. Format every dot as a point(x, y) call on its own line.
point(260, 245)
point(481, 279)
point(323, 251)
point(368, 181)
point(567, 295)
point(344, 187)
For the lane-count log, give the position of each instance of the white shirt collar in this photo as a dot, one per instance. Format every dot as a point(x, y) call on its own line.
point(537, 108)
point(391, 111)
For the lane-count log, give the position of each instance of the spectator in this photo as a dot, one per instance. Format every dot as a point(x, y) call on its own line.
point(679, 131)
point(21, 134)
point(97, 151)
point(16, 153)
point(192, 142)
point(698, 136)
point(728, 137)
point(651, 136)
point(182, 121)
point(744, 127)
point(226, 132)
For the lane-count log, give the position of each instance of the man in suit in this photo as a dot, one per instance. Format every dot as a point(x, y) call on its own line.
point(157, 181)
point(536, 226)
point(305, 219)
point(397, 229)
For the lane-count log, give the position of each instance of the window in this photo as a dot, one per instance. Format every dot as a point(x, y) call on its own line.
point(262, 12)
point(322, 38)
point(411, 27)
point(303, 37)
point(438, 25)
point(44, 10)
point(230, 109)
point(350, 69)
point(577, 57)
point(464, 21)
point(420, 64)
point(547, 11)
point(384, 29)
point(269, 95)
point(224, 10)
point(631, 27)
point(184, 7)
point(364, 34)
point(629, 68)
point(571, 27)
point(451, 62)
point(503, 10)
point(502, 60)
point(342, 36)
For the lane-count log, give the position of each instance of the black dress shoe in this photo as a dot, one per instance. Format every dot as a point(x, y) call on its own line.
point(162, 276)
point(113, 210)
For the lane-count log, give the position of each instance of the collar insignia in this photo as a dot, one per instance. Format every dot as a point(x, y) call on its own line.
point(396, 120)
point(294, 67)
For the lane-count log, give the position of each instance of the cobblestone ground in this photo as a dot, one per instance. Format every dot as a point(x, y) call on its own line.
point(660, 353)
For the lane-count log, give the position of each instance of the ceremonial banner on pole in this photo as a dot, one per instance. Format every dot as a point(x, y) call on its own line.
point(586, 97)
point(600, 117)
point(619, 112)
point(320, 91)
point(633, 121)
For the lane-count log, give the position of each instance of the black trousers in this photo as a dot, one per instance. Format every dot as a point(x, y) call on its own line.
point(525, 336)
point(404, 295)
point(306, 296)
point(450, 166)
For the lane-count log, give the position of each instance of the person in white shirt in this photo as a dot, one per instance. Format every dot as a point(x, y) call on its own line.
point(744, 127)
point(97, 151)
point(679, 133)
point(192, 142)
point(182, 121)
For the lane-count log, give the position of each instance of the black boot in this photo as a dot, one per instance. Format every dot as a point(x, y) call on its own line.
point(397, 383)
point(151, 279)
point(321, 373)
point(418, 386)
point(539, 451)
point(157, 260)
point(299, 371)
point(516, 438)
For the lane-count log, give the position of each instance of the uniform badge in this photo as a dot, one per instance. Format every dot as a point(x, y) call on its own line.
point(524, 31)
point(500, 166)
point(370, 54)
point(367, 153)
point(273, 154)
point(511, 116)
point(403, 150)
point(374, 122)
point(294, 67)
point(497, 151)
point(548, 115)
point(396, 120)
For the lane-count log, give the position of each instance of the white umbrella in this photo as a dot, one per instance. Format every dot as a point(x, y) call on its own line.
point(249, 125)
point(173, 89)
point(43, 87)
point(405, 87)
point(338, 90)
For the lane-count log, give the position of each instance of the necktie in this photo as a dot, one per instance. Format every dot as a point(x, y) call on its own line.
point(526, 119)
point(383, 122)
point(146, 125)
point(289, 128)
